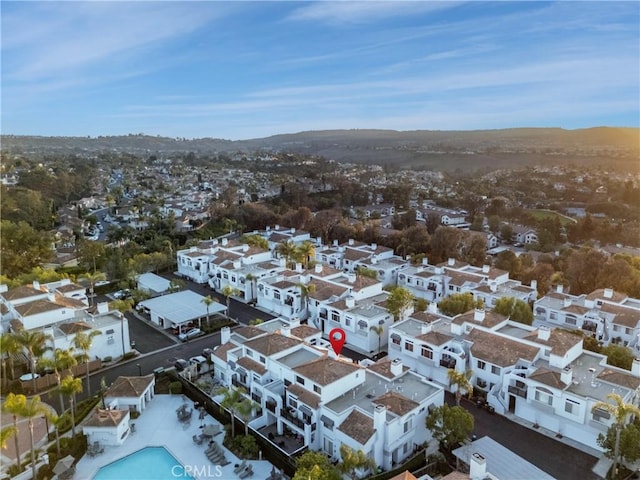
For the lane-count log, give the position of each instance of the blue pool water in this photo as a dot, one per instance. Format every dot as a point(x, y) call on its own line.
point(151, 463)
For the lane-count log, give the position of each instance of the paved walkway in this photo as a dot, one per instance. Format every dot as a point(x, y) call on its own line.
point(8, 454)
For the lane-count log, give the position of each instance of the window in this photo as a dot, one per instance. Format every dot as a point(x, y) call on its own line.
point(249, 353)
point(481, 365)
point(395, 339)
point(571, 406)
point(317, 389)
point(570, 320)
point(427, 352)
point(299, 380)
point(347, 321)
point(262, 359)
point(276, 295)
point(293, 403)
point(407, 425)
point(543, 395)
point(616, 328)
point(600, 415)
point(335, 316)
point(110, 331)
point(495, 370)
point(408, 346)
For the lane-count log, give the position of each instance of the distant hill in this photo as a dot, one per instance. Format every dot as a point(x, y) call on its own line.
point(416, 149)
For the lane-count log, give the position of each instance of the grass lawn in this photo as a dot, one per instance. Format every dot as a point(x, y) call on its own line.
point(541, 214)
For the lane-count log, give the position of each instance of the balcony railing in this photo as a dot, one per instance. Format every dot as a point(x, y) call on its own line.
point(292, 418)
point(448, 362)
point(518, 391)
point(271, 407)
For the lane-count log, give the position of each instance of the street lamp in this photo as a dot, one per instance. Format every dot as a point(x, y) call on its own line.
point(139, 370)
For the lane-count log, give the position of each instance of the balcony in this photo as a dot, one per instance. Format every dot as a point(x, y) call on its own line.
point(287, 415)
point(518, 391)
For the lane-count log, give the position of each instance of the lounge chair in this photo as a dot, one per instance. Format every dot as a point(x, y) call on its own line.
point(247, 472)
point(240, 467)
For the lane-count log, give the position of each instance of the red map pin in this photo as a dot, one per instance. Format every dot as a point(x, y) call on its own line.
point(337, 337)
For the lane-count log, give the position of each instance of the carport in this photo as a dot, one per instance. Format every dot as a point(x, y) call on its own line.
point(177, 310)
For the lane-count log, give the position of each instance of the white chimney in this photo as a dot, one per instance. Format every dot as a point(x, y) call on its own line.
point(335, 243)
point(318, 268)
point(379, 418)
point(374, 260)
point(544, 333)
point(36, 285)
point(351, 241)
point(566, 375)
point(559, 288)
point(396, 367)
point(566, 302)
point(225, 241)
point(477, 467)
point(298, 267)
point(485, 268)
point(103, 307)
point(425, 261)
point(350, 301)
point(432, 307)
point(534, 284)
point(245, 247)
point(351, 277)
point(451, 262)
point(374, 246)
point(608, 292)
point(225, 335)
point(293, 230)
point(285, 331)
point(635, 367)
point(4, 288)
point(425, 328)
point(276, 227)
point(478, 314)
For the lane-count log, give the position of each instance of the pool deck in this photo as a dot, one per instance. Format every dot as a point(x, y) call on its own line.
point(158, 425)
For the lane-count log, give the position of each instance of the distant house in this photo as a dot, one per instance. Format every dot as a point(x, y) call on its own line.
point(152, 283)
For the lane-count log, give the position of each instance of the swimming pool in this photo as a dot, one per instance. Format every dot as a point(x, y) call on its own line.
point(150, 463)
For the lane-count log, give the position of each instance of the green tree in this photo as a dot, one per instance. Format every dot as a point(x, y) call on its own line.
point(306, 252)
point(5, 434)
point(287, 250)
point(457, 303)
point(315, 466)
point(255, 240)
point(621, 413)
point(450, 426)
point(14, 405)
point(208, 301)
point(629, 445)
point(244, 408)
point(231, 400)
point(9, 346)
point(23, 248)
point(31, 408)
point(462, 381)
point(62, 360)
point(93, 278)
point(35, 343)
point(228, 291)
point(353, 460)
point(70, 386)
point(367, 272)
point(517, 310)
point(378, 330)
point(399, 302)
point(83, 342)
point(54, 420)
point(618, 355)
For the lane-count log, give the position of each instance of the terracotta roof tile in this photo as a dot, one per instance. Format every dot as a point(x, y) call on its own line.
point(221, 350)
point(272, 343)
point(304, 331)
point(129, 386)
point(304, 395)
point(325, 370)
point(358, 426)
point(106, 418)
point(252, 365)
point(500, 350)
point(548, 377)
point(249, 331)
point(383, 367)
point(619, 378)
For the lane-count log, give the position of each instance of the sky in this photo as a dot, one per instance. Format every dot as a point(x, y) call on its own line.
point(239, 70)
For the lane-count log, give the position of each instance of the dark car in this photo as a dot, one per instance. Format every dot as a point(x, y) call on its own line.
point(181, 364)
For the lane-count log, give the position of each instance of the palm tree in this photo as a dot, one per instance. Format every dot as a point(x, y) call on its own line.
point(14, 405)
point(54, 420)
point(9, 346)
point(306, 251)
point(5, 435)
point(92, 278)
point(123, 306)
point(244, 409)
point(103, 389)
point(462, 382)
point(70, 386)
point(62, 360)
point(35, 343)
point(83, 342)
point(305, 290)
point(353, 460)
point(379, 330)
point(228, 291)
point(31, 408)
point(230, 401)
point(208, 301)
point(621, 412)
point(286, 249)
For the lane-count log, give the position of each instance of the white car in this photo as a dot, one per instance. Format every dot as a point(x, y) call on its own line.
point(193, 333)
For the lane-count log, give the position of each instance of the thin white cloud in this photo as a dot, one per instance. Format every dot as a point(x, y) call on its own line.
point(349, 12)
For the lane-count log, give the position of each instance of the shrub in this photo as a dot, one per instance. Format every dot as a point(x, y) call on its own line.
point(129, 355)
point(175, 387)
point(83, 408)
point(244, 446)
point(134, 414)
point(107, 359)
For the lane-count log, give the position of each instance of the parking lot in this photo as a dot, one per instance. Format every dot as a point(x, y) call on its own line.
point(147, 338)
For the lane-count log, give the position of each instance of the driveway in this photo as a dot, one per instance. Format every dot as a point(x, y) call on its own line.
point(147, 338)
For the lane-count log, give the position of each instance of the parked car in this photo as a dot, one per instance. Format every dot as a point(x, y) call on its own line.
point(193, 333)
point(181, 364)
point(206, 353)
point(121, 294)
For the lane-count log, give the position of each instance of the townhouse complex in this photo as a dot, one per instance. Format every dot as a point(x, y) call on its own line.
point(540, 373)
